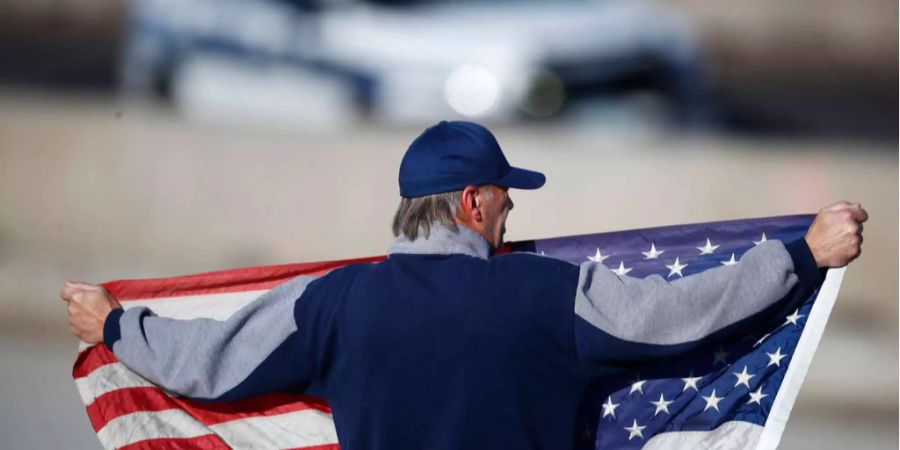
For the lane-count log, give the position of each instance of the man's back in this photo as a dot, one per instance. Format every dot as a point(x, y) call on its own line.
point(449, 351)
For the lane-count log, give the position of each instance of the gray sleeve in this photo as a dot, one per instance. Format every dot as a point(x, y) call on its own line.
point(655, 311)
point(206, 358)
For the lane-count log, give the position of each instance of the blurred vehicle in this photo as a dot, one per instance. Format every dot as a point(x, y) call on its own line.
point(323, 63)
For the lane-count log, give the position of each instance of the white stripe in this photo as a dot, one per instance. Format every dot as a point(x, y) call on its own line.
point(734, 435)
point(212, 306)
point(108, 378)
point(134, 427)
point(295, 429)
point(800, 361)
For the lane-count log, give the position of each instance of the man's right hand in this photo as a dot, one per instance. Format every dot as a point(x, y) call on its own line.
point(89, 304)
point(835, 236)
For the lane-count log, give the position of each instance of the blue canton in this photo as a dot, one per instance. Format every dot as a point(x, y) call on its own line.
point(732, 380)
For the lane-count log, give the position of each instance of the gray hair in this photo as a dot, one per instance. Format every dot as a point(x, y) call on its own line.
point(418, 214)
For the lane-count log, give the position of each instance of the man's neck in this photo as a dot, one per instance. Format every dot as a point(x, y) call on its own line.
point(443, 241)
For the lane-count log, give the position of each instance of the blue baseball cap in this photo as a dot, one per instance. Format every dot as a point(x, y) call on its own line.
point(452, 155)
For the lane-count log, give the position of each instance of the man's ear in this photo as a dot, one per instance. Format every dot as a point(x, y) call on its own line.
point(470, 204)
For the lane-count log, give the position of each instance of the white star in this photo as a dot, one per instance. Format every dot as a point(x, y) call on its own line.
point(653, 254)
point(743, 378)
point(730, 262)
point(756, 397)
point(676, 268)
point(609, 408)
point(707, 249)
point(712, 401)
point(635, 430)
point(719, 356)
point(775, 358)
point(637, 386)
point(761, 240)
point(598, 257)
point(691, 382)
point(622, 270)
point(793, 318)
point(662, 405)
point(760, 341)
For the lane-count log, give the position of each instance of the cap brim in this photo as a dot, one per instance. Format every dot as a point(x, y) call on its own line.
point(518, 178)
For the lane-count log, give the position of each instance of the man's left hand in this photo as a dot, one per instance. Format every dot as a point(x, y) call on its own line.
point(89, 305)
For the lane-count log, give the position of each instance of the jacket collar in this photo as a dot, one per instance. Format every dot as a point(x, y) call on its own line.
point(443, 241)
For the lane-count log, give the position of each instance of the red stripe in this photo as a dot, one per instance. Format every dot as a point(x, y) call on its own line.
point(318, 447)
point(124, 401)
point(92, 358)
point(234, 280)
point(205, 442)
point(505, 248)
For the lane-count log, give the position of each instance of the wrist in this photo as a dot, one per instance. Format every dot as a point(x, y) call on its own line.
point(815, 252)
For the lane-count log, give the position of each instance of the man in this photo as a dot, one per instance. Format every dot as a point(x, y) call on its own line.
point(440, 346)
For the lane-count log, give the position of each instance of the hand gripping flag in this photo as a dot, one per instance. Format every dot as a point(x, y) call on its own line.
point(736, 393)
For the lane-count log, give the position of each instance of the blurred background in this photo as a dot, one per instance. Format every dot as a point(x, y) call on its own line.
point(163, 137)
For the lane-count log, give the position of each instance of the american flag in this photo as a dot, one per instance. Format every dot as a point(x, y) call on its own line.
point(737, 393)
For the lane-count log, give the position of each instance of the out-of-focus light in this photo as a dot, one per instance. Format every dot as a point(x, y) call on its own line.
point(472, 90)
point(545, 96)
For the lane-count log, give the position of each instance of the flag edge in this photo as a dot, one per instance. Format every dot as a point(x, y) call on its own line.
point(801, 360)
